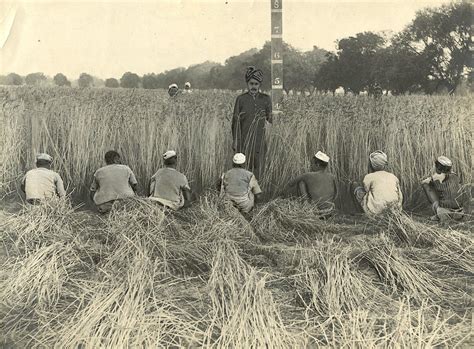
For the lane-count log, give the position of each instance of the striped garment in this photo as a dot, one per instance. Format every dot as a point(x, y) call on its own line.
point(449, 191)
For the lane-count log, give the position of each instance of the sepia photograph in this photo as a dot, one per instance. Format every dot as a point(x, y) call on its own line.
point(236, 174)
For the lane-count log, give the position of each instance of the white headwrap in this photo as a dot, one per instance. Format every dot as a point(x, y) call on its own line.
point(239, 159)
point(378, 160)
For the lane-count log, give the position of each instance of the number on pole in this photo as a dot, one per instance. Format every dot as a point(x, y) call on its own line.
point(276, 4)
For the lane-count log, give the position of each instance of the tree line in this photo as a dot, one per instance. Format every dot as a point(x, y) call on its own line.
point(431, 54)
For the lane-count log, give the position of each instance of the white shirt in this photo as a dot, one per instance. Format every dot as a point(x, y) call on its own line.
point(43, 183)
point(382, 190)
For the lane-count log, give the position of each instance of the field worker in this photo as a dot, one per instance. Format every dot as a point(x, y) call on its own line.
point(444, 191)
point(42, 183)
point(168, 186)
point(240, 185)
point(251, 111)
point(187, 87)
point(318, 186)
point(381, 189)
point(112, 182)
point(173, 90)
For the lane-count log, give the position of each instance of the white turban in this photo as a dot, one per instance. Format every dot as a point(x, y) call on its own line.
point(378, 160)
point(239, 159)
point(169, 154)
point(443, 160)
point(321, 156)
point(44, 156)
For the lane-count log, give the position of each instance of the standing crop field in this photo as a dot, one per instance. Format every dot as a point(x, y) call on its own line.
point(206, 276)
point(78, 126)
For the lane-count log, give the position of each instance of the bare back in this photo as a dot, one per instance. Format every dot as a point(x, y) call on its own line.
point(320, 186)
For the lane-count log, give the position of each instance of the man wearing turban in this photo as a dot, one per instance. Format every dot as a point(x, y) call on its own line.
point(251, 111)
point(381, 189)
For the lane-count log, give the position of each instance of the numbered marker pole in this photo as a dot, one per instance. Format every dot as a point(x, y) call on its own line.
point(277, 54)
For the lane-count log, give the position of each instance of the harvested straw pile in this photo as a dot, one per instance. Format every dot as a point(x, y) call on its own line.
point(143, 276)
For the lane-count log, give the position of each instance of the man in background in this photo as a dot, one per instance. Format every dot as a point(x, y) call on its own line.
point(42, 183)
point(318, 186)
point(251, 111)
point(112, 182)
point(187, 87)
point(168, 186)
point(173, 90)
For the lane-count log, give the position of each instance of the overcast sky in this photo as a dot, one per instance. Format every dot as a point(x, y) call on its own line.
point(107, 38)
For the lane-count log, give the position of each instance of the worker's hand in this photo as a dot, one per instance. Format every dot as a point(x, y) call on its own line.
point(435, 206)
point(426, 180)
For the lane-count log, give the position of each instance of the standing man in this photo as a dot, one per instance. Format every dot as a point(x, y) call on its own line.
point(112, 182)
point(173, 90)
point(187, 87)
point(42, 183)
point(251, 111)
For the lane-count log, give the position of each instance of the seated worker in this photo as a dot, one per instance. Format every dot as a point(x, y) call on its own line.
point(112, 182)
point(41, 182)
point(444, 191)
point(381, 189)
point(240, 186)
point(168, 186)
point(317, 186)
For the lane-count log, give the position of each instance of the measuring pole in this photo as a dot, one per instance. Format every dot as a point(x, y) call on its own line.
point(277, 54)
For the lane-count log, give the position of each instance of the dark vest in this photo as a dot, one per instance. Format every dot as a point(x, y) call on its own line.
point(449, 192)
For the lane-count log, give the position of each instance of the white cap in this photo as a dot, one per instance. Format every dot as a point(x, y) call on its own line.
point(188, 84)
point(443, 160)
point(44, 156)
point(239, 159)
point(169, 154)
point(171, 86)
point(321, 156)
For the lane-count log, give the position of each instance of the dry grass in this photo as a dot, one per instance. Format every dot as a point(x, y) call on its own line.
point(202, 277)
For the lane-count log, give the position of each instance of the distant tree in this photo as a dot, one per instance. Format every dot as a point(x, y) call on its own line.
point(35, 78)
point(327, 78)
point(14, 79)
point(130, 80)
point(85, 80)
point(442, 35)
point(112, 83)
point(61, 80)
point(199, 74)
point(150, 81)
point(356, 56)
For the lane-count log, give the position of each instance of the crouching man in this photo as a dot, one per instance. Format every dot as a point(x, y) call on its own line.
point(240, 186)
point(168, 186)
point(444, 191)
point(42, 183)
point(318, 186)
point(381, 189)
point(112, 182)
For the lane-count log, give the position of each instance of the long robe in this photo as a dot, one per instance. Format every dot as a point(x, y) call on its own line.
point(248, 128)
